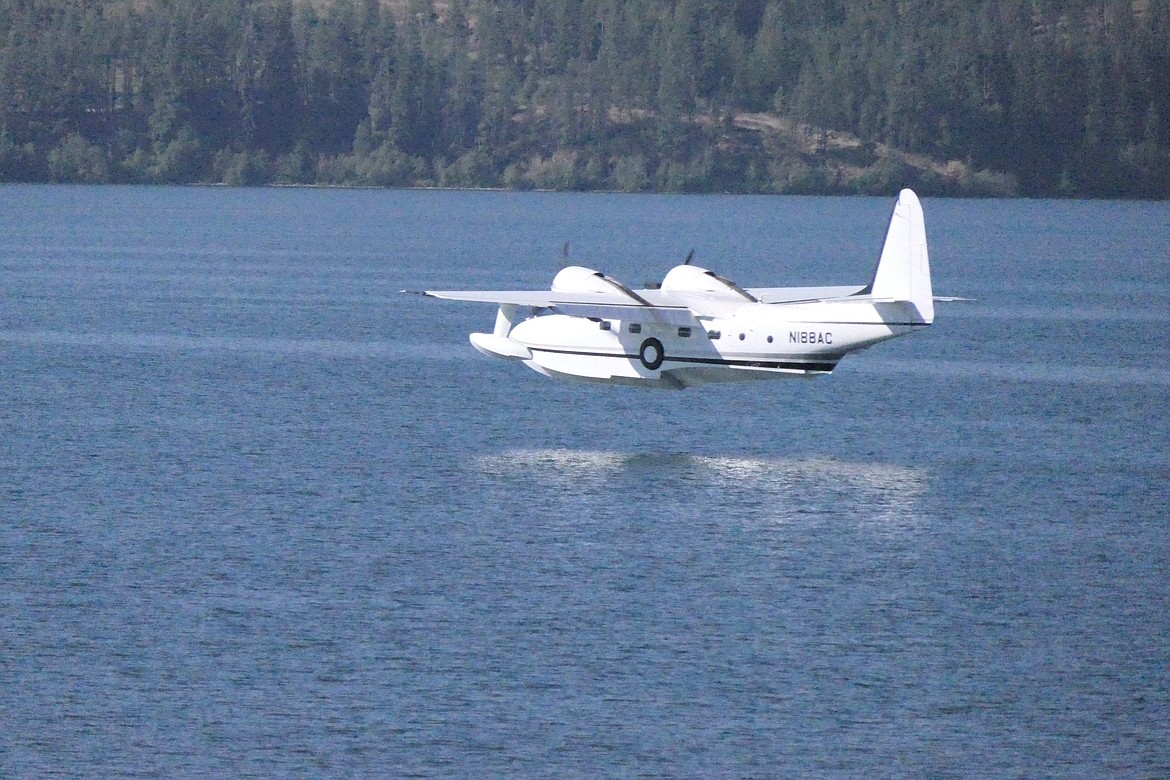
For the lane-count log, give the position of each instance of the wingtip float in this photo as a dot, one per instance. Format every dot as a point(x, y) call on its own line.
point(699, 328)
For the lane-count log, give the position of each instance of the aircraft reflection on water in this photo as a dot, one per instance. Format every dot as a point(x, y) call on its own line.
point(786, 487)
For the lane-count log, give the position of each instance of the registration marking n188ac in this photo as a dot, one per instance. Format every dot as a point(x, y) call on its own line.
point(809, 337)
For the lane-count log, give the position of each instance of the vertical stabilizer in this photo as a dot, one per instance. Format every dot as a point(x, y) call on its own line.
point(903, 272)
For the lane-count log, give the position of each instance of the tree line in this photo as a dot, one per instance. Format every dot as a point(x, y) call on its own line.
point(1033, 97)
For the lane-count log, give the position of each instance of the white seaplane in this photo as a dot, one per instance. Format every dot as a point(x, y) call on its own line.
point(700, 328)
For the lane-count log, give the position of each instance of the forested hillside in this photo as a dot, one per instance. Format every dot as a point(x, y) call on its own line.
point(1053, 97)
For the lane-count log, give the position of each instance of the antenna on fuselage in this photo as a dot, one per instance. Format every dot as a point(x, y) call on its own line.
point(690, 257)
point(565, 252)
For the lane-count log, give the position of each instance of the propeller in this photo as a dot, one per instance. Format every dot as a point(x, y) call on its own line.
point(658, 285)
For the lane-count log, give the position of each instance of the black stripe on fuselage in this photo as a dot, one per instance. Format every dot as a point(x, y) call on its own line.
point(775, 364)
point(783, 364)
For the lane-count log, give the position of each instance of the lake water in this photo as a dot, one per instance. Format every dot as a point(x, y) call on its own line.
point(262, 515)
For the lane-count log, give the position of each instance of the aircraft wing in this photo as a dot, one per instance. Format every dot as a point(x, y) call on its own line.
point(814, 294)
point(602, 305)
point(803, 294)
point(540, 298)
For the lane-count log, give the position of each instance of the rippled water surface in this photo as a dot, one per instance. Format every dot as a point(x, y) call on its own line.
point(262, 515)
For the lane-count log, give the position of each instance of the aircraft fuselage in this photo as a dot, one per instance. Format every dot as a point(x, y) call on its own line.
point(763, 341)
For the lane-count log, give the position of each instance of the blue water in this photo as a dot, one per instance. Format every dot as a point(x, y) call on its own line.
point(261, 515)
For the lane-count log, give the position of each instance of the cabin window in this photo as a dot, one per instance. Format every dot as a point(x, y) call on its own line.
point(684, 333)
point(604, 325)
point(769, 339)
point(635, 327)
point(713, 334)
point(742, 336)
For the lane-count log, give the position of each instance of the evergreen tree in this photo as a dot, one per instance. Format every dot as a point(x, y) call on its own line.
point(1061, 97)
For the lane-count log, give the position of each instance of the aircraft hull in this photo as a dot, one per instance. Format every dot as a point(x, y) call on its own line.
point(780, 342)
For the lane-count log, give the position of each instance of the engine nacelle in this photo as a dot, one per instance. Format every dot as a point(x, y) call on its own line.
point(692, 278)
point(577, 278)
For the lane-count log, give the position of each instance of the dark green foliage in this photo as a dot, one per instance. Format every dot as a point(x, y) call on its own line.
point(987, 97)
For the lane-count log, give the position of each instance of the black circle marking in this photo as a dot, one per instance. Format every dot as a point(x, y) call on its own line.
point(651, 353)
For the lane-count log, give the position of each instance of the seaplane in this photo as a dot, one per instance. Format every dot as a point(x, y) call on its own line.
point(698, 327)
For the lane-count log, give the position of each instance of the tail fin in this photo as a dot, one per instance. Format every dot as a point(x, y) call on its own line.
point(903, 272)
